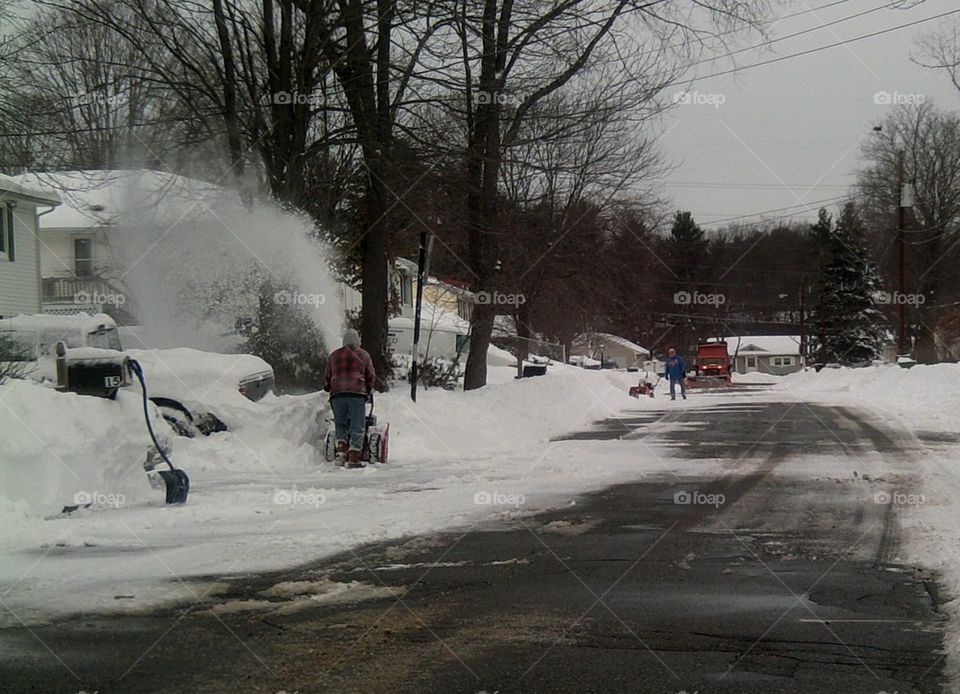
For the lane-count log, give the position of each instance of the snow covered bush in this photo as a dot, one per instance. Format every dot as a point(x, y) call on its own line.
point(280, 332)
point(14, 359)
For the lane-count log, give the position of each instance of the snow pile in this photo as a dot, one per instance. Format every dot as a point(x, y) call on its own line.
point(262, 499)
point(925, 397)
point(63, 449)
point(512, 417)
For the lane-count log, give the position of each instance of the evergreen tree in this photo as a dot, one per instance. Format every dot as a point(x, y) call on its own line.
point(851, 327)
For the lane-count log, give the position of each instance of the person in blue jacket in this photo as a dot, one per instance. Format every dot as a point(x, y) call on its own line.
point(677, 373)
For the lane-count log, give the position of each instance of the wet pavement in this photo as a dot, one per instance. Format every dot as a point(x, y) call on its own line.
point(759, 580)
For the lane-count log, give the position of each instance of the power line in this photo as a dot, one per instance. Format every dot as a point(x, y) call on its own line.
point(748, 186)
point(796, 33)
point(812, 205)
point(831, 45)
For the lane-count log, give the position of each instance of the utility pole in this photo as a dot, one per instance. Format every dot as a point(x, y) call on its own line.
point(421, 278)
point(803, 324)
point(901, 260)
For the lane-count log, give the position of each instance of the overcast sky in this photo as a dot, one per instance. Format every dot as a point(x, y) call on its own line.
point(789, 134)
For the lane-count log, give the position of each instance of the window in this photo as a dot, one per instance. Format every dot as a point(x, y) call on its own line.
point(463, 343)
point(6, 232)
point(783, 361)
point(406, 291)
point(751, 362)
point(82, 257)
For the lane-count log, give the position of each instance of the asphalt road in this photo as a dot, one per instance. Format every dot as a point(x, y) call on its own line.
point(762, 580)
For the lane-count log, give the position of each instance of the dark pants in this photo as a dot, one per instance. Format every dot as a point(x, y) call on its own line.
point(349, 415)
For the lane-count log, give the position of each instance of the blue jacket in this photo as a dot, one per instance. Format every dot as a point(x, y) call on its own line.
point(676, 368)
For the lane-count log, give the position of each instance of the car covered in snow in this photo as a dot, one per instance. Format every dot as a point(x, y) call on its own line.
point(189, 386)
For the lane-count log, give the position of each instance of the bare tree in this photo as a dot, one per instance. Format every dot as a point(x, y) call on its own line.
point(513, 55)
point(928, 141)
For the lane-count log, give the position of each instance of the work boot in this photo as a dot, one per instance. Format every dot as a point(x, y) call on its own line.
point(353, 458)
point(341, 455)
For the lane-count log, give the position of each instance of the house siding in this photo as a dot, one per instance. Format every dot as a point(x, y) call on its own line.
point(765, 365)
point(20, 279)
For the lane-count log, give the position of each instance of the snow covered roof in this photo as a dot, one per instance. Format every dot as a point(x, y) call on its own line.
point(434, 317)
point(779, 345)
point(459, 290)
point(10, 185)
point(106, 198)
point(44, 321)
point(406, 267)
point(585, 339)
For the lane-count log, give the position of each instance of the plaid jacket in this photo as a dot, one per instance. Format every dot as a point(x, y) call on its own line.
point(349, 371)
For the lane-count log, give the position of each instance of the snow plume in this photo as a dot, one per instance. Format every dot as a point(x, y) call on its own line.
point(193, 257)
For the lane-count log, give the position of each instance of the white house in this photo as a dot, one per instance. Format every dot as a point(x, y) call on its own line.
point(609, 348)
point(20, 246)
point(77, 261)
point(772, 354)
point(444, 331)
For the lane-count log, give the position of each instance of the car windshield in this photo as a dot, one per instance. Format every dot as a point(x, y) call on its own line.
point(105, 338)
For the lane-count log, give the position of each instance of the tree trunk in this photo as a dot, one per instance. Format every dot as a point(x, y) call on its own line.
point(375, 289)
point(483, 169)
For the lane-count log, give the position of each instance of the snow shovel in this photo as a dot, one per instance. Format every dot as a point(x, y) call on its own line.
point(175, 479)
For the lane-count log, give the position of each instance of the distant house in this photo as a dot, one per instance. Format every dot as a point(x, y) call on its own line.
point(20, 245)
point(454, 296)
point(609, 348)
point(770, 354)
point(78, 262)
point(444, 318)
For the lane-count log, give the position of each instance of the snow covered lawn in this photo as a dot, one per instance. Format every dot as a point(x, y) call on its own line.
point(261, 498)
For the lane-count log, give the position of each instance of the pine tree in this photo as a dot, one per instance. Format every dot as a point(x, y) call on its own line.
point(851, 327)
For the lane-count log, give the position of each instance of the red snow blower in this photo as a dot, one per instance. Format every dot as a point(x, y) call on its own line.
point(644, 388)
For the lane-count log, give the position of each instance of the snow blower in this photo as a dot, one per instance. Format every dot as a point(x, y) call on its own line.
point(376, 439)
point(175, 479)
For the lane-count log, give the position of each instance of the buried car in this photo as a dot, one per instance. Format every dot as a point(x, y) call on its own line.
point(188, 386)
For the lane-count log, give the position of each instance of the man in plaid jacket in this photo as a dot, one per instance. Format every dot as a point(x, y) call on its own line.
point(349, 378)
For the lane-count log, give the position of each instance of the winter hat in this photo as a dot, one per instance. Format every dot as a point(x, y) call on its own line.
point(351, 338)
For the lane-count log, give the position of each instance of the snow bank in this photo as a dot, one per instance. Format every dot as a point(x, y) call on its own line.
point(261, 497)
point(511, 417)
point(925, 396)
point(62, 449)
